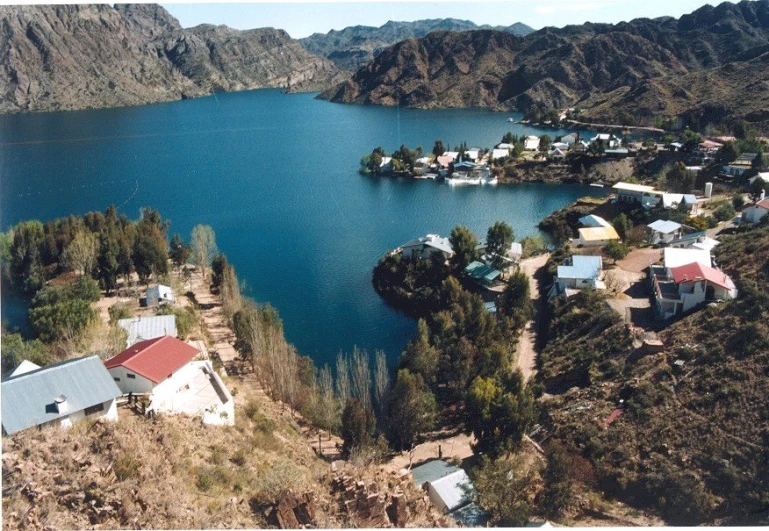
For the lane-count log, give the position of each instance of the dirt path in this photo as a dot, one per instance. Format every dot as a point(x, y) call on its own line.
point(222, 337)
point(526, 355)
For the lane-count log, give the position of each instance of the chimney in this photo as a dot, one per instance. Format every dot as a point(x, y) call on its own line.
point(61, 404)
point(763, 195)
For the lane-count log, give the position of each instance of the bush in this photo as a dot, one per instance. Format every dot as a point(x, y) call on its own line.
point(724, 212)
point(185, 319)
point(118, 311)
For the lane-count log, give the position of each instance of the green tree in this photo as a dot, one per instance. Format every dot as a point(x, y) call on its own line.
point(358, 426)
point(57, 312)
point(412, 410)
point(560, 485)
point(26, 267)
point(503, 487)
point(679, 179)
point(756, 189)
point(690, 140)
point(218, 267)
point(463, 242)
point(419, 356)
point(150, 249)
point(81, 253)
point(500, 411)
point(728, 152)
point(724, 212)
point(738, 201)
point(15, 350)
point(544, 143)
point(622, 225)
point(179, 251)
point(515, 302)
point(203, 245)
point(508, 138)
point(616, 250)
point(107, 262)
point(499, 237)
point(438, 148)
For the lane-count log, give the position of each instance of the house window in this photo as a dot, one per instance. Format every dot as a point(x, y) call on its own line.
point(132, 376)
point(116, 378)
point(94, 409)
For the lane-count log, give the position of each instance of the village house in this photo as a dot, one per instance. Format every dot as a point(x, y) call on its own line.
point(141, 328)
point(60, 394)
point(610, 141)
point(531, 143)
point(644, 195)
point(577, 273)
point(164, 369)
point(694, 240)
point(386, 166)
point(755, 212)
point(709, 146)
point(569, 139)
point(482, 274)
point(663, 231)
point(160, 294)
point(682, 288)
point(763, 176)
point(738, 167)
point(472, 154)
point(687, 202)
point(426, 246)
point(444, 161)
point(499, 153)
point(556, 153)
point(596, 236)
point(563, 146)
point(675, 257)
point(617, 153)
point(450, 491)
point(453, 154)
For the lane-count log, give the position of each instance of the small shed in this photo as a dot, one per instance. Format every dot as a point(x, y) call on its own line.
point(664, 231)
point(160, 294)
point(141, 328)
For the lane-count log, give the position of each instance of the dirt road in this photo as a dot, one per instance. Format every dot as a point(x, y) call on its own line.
point(526, 356)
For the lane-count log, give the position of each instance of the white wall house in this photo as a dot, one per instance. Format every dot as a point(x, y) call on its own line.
point(644, 195)
point(663, 231)
point(61, 394)
point(531, 143)
point(165, 369)
point(426, 246)
point(680, 289)
point(160, 294)
point(596, 236)
point(754, 213)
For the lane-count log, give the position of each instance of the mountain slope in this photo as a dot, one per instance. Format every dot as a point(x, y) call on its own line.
point(354, 46)
point(83, 56)
point(712, 58)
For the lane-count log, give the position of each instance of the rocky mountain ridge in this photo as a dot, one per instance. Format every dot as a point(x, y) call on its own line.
point(354, 46)
point(66, 57)
point(710, 62)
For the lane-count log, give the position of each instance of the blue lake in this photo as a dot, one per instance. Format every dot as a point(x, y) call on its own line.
point(276, 176)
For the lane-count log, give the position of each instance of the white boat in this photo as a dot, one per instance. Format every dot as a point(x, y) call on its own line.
point(492, 180)
point(597, 185)
point(511, 120)
point(463, 180)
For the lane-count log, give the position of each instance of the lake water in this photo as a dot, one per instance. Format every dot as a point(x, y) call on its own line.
point(276, 177)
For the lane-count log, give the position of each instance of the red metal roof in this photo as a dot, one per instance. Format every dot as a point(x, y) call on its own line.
point(155, 359)
point(690, 272)
point(614, 416)
point(763, 204)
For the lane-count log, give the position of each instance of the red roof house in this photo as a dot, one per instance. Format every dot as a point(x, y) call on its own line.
point(145, 364)
point(695, 270)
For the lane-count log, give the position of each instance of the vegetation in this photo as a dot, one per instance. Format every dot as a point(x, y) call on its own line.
point(203, 246)
point(504, 486)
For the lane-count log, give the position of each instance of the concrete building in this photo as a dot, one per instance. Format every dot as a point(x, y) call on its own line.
point(450, 491)
point(644, 195)
point(597, 236)
point(160, 294)
point(142, 328)
point(577, 273)
point(426, 246)
point(680, 289)
point(755, 212)
point(663, 231)
point(60, 394)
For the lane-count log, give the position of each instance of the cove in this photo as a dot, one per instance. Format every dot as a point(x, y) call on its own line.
point(276, 176)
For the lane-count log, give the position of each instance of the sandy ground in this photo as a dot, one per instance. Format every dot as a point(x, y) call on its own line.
point(526, 356)
point(638, 260)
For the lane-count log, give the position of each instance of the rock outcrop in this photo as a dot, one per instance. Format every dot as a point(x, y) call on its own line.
point(64, 57)
point(709, 65)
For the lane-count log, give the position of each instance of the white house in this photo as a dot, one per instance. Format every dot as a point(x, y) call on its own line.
point(499, 153)
point(61, 394)
point(754, 213)
point(448, 486)
point(472, 154)
point(426, 246)
point(531, 143)
point(163, 368)
point(578, 272)
point(682, 288)
point(160, 294)
point(597, 236)
point(674, 257)
point(22, 368)
point(663, 231)
point(686, 201)
point(609, 140)
point(764, 176)
point(563, 146)
point(504, 145)
point(646, 196)
point(569, 139)
point(452, 154)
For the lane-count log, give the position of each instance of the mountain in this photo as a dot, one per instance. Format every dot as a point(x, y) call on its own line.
point(355, 46)
point(64, 57)
point(710, 63)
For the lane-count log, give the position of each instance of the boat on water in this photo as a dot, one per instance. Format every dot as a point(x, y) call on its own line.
point(511, 120)
point(454, 181)
point(597, 185)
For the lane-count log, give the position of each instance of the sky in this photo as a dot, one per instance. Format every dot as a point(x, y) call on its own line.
point(302, 19)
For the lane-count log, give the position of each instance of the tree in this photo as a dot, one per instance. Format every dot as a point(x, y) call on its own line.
point(419, 356)
point(150, 249)
point(107, 263)
point(498, 240)
point(412, 410)
point(724, 212)
point(738, 201)
point(381, 383)
point(342, 378)
point(532, 245)
point(25, 264)
point(357, 427)
point(679, 179)
point(218, 267)
point(544, 143)
point(756, 189)
point(203, 245)
point(559, 483)
point(622, 225)
point(508, 138)
point(328, 408)
point(500, 411)
point(438, 148)
point(616, 250)
point(179, 251)
point(463, 242)
point(80, 255)
point(728, 152)
point(515, 302)
point(690, 140)
point(503, 487)
point(361, 377)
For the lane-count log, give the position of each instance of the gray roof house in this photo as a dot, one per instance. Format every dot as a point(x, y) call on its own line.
point(59, 394)
point(141, 328)
point(451, 491)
